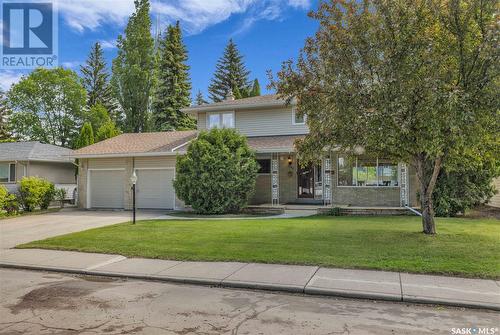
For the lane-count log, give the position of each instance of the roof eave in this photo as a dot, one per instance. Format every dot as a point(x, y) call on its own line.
point(126, 154)
point(210, 108)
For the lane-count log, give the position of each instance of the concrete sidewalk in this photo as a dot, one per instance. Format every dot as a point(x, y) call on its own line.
point(475, 293)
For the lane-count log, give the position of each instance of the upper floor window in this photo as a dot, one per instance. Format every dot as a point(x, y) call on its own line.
point(7, 172)
point(360, 171)
point(298, 119)
point(220, 120)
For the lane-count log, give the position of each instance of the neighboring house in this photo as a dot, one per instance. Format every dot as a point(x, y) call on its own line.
point(26, 159)
point(495, 200)
point(271, 128)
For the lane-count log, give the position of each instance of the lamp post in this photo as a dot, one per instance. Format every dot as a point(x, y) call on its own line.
point(133, 180)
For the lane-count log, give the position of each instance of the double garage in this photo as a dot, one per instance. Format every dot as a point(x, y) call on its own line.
point(109, 185)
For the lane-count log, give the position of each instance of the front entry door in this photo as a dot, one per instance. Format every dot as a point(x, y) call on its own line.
point(305, 181)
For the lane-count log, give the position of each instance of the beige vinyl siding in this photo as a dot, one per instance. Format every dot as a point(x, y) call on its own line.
point(268, 122)
point(58, 173)
point(495, 200)
point(202, 121)
point(106, 163)
point(155, 162)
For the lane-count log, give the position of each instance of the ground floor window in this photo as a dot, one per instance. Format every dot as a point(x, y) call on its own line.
point(7, 172)
point(364, 171)
point(264, 166)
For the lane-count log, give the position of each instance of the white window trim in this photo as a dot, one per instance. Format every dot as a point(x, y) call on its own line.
point(220, 119)
point(377, 186)
point(294, 112)
point(9, 181)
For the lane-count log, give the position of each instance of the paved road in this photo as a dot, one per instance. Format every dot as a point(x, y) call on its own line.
point(29, 228)
point(48, 303)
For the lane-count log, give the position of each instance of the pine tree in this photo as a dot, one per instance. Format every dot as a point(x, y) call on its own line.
point(4, 114)
point(86, 136)
point(255, 92)
point(133, 69)
point(200, 100)
point(174, 86)
point(95, 79)
point(230, 73)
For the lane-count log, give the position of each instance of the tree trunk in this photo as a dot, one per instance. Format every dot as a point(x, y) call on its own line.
point(427, 173)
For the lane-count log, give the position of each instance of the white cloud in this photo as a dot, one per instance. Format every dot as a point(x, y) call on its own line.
point(90, 14)
point(9, 77)
point(195, 15)
point(71, 65)
point(111, 44)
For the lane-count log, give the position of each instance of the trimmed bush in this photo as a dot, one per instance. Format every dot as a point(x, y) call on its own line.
point(218, 173)
point(11, 204)
point(3, 195)
point(35, 192)
point(8, 202)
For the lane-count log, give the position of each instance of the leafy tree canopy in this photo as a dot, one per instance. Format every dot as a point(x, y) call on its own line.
point(86, 137)
point(133, 69)
point(47, 106)
point(416, 81)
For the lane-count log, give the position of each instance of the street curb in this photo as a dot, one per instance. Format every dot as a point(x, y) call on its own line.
point(259, 286)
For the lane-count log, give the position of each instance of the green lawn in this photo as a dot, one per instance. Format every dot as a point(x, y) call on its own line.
point(464, 247)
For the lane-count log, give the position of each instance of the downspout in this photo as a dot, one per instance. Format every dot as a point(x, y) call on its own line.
point(413, 210)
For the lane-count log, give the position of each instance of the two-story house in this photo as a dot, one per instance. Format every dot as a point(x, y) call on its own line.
point(271, 128)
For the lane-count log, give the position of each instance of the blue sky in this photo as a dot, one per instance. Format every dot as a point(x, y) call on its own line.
point(267, 32)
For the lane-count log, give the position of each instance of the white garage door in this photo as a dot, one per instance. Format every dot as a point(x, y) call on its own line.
point(155, 189)
point(106, 188)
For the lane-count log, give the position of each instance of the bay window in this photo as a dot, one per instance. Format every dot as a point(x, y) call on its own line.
point(220, 120)
point(364, 171)
point(7, 172)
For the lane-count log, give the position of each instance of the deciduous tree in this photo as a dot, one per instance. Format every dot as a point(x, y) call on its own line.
point(133, 69)
point(47, 106)
point(416, 81)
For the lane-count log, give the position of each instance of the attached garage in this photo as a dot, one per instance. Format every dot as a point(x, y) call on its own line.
point(154, 189)
point(106, 188)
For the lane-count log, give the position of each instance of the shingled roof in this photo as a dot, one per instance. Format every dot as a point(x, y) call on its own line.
point(141, 143)
point(34, 151)
point(269, 100)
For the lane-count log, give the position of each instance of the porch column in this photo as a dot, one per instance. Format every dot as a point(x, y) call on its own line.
point(327, 180)
point(404, 185)
point(275, 179)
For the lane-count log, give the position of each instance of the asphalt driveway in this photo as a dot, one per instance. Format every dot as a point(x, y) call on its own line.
point(29, 228)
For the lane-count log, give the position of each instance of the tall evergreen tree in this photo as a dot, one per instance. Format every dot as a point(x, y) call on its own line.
point(255, 92)
point(230, 74)
point(95, 79)
point(200, 100)
point(173, 90)
point(86, 136)
point(133, 69)
point(4, 114)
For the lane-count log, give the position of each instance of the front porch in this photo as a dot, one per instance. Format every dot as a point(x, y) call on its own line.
point(282, 182)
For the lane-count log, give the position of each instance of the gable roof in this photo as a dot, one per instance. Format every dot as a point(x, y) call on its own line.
point(138, 144)
point(262, 101)
point(34, 151)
